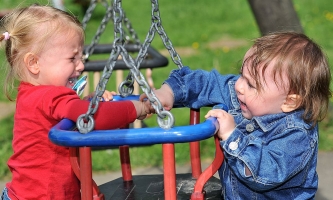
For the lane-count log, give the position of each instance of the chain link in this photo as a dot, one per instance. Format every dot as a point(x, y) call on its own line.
point(90, 49)
point(157, 23)
point(88, 13)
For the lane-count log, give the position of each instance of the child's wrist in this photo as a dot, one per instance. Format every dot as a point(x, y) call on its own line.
point(143, 110)
point(225, 136)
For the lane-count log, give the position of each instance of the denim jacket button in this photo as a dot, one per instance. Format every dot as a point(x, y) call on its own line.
point(249, 127)
point(233, 145)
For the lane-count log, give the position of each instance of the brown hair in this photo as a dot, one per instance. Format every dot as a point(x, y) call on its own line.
point(29, 29)
point(304, 64)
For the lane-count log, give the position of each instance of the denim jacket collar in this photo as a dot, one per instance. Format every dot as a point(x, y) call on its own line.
point(268, 122)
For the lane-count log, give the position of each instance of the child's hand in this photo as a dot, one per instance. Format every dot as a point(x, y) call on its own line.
point(107, 95)
point(142, 109)
point(164, 94)
point(226, 121)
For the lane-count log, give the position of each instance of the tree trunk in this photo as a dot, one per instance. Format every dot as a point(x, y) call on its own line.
point(275, 15)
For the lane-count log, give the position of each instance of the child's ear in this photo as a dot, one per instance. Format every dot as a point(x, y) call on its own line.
point(31, 63)
point(292, 102)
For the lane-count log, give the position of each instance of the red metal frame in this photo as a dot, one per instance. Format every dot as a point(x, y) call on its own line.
point(125, 163)
point(198, 192)
point(195, 146)
point(89, 189)
point(169, 168)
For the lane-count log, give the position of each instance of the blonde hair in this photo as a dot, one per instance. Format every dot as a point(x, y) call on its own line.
point(304, 64)
point(29, 29)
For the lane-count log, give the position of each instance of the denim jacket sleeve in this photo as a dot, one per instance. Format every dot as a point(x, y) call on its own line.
point(197, 88)
point(274, 157)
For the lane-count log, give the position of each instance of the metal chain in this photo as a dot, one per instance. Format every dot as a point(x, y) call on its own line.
point(90, 10)
point(126, 87)
point(132, 33)
point(90, 49)
point(88, 13)
point(157, 23)
point(85, 122)
point(108, 15)
point(165, 118)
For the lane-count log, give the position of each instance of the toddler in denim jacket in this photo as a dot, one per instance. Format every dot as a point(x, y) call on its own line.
point(270, 133)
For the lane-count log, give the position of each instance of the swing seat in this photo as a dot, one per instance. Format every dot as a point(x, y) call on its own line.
point(153, 59)
point(152, 187)
point(166, 186)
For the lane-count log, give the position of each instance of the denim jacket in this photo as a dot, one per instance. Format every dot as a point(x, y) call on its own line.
point(280, 150)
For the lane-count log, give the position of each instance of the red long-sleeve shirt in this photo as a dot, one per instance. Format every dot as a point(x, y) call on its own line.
point(41, 169)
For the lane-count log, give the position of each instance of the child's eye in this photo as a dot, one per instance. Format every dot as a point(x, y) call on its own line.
point(250, 85)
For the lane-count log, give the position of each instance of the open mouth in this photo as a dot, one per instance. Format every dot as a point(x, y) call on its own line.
point(242, 104)
point(72, 80)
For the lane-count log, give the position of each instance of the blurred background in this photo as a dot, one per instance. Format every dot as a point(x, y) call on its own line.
point(207, 35)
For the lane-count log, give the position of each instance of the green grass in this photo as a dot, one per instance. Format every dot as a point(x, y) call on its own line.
point(6, 145)
point(193, 26)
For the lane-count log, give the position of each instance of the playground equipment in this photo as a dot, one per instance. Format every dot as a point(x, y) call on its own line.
point(80, 137)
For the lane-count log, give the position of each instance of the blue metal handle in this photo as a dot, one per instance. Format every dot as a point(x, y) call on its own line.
point(63, 134)
point(129, 97)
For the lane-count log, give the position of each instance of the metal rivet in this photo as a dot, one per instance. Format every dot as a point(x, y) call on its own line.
point(233, 145)
point(249, 127)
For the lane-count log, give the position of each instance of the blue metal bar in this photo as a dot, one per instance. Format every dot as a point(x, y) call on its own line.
point(64, 134)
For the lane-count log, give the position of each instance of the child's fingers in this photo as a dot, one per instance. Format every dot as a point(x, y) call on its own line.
point(215, 113)
point(142, 97)
point(108, 96)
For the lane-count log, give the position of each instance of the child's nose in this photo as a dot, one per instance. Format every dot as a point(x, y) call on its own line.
point(239, 87)
point(80, 66)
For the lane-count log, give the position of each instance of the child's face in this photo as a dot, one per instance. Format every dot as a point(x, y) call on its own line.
point(60, 62)
point(270, 98)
